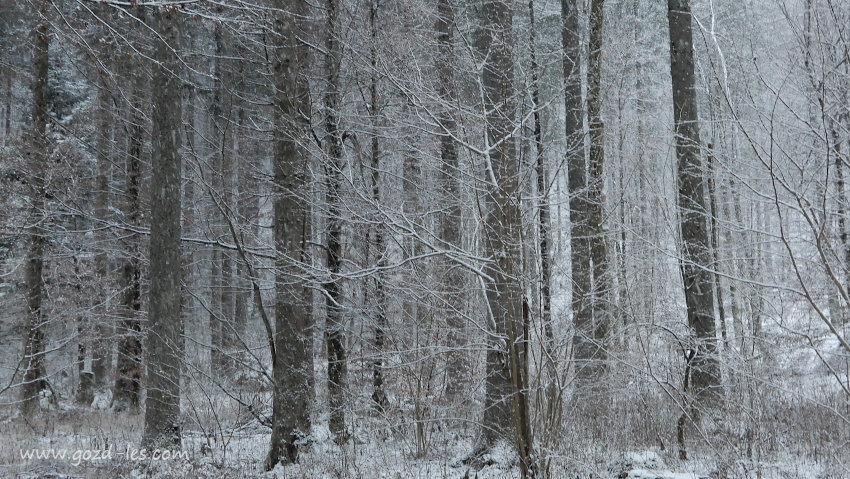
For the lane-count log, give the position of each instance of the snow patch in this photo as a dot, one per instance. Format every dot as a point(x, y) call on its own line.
point(645, 465)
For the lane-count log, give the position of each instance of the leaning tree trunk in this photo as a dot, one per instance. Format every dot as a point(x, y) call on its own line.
point(165, 332)
point(293, 340)
point(695, 244)
point(35, 380)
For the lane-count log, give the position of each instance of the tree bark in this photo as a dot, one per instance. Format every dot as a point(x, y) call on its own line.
point(379, 395)
point(506, 414)
point(695, 244)
point(101, 346)
point(592, 322)
point(127, 389)
point(334, 329)
point(577, 184)
point(293, 368)
point(35, 380)
point(450, 220)
point(165, 332)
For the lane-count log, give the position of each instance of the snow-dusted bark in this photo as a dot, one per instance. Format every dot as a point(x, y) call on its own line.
point(293, 359)
point(163, 422)
point(695, 246)
point(34, 379)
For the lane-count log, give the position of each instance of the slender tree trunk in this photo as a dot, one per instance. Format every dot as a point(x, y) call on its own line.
point(379, 395)
point(247, 208)
point(577, 182)
point(553, 406)
point(101, 350)
point(221, 305)
point(35, 380)
point(841, 317)
point(7, 120)
point(215, 314)
point(188, 228)
point(127, 389)
point(293, 367)
point(165, 332)
point(335, 329)
point(695, 241)
point(715, 246)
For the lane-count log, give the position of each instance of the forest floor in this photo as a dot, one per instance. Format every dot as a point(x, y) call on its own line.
point(785, 417)
point(100, 443)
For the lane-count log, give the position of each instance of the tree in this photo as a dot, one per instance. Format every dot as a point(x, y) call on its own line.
point(506, 414)
point(450, 220)
point(695, 241)
point(379, 395)
point(126, 392)
point(293, 338)
point(165, 329)
point(35, 380)
point(335, 329)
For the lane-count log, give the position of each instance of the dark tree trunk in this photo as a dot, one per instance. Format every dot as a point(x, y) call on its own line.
point(35, 380)
point(293, 367)
point(165, 332)
point(128, 373)
point(335, 329)
point(695, 239)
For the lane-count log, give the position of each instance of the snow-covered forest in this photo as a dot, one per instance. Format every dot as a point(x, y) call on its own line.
point(425, 239)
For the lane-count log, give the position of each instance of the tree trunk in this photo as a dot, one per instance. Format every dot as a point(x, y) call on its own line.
point(695, 241)
point(293, 367)
point(577, 183)
point(840, 317)
point(102, 330)
point(221, 304)
point(506, 415)
point(165, 332)
point(591, 320)
point(7, 120)
point(450, 220)
point(128, 373)
point(553, 406)
point(35, 380)
point(247, 208)
point(379, 395)
point(334, 328)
